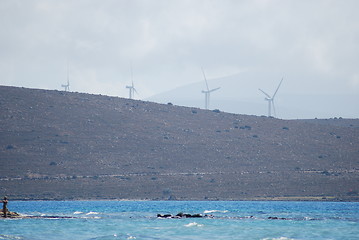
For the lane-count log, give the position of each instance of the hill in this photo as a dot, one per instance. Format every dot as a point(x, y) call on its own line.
point(65, 145)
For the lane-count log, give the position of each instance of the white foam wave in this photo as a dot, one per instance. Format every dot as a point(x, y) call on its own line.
point(193, 224)
point(78, 212)
point(9, 237)
point(92, 213)
point(280, 238)
point(214, 211)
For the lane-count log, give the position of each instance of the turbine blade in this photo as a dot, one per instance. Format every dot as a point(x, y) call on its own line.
point(214, 89)
point(264, 93)
point(277, 88)
point(205, 79)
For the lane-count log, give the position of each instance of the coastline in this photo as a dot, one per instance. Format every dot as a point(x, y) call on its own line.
point(268, 199)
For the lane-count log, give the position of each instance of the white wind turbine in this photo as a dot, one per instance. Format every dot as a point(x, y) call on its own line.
point(271, 100)
point(67, 86)
point(132, 89)
point(207, 92)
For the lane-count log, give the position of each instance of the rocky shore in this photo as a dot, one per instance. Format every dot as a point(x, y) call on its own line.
point(10, 214)
point(183, 215)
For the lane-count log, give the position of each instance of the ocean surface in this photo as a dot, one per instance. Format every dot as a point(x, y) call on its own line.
point(138, 220)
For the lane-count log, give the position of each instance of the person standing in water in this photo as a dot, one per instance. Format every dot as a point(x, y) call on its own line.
point(4, 206)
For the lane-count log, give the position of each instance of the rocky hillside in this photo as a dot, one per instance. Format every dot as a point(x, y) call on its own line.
point(65, 145)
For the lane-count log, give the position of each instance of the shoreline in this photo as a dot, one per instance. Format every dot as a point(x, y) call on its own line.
point(267, 199)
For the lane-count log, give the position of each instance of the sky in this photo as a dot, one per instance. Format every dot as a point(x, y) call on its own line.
point(313, 44)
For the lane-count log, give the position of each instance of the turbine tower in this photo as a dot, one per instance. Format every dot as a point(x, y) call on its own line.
point(132, 89)
point(207, 92)
point(67, 86)
point(271, 100)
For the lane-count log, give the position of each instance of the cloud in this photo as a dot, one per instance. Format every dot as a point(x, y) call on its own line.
point(168, 42)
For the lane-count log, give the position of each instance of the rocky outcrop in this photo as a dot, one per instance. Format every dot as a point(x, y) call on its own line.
point(182, 215)
point(9, 214)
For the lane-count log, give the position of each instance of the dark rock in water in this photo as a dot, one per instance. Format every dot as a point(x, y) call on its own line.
point(277, 218)
point(52, 217)
point(181, 215)
point(17, 215)
point(9, 214)
point(164, 216)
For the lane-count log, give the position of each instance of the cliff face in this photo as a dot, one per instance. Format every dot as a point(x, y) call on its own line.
point(64, 145)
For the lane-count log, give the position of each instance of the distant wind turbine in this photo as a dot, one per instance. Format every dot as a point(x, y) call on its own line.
point(207, 92)
point(67, 86)
point(132, 89)
point(271, 100)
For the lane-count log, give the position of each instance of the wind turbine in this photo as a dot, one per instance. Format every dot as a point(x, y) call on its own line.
point(67, 86)
point(207, 92)
point(132, 89)
point(271, 99)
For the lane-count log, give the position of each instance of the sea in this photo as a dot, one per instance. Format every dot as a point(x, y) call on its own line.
point(102, 220)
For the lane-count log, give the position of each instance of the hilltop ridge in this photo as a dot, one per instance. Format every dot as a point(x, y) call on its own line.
point(66, 145)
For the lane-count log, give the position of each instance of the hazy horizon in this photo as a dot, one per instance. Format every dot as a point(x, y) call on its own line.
point(312, 44)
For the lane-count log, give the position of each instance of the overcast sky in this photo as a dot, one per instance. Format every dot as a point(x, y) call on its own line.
point(168, 41)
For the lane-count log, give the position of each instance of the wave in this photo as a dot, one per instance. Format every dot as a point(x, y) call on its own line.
point(92, 213)
point(114, 236)
point(78, 212)
point(194, 224)
point(9, 237)
point(280, 238)
point(215, 211)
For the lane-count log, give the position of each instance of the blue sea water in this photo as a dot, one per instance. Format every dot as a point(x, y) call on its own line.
point(102, 220)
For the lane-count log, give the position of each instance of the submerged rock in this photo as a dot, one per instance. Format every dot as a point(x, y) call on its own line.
point(9, 214)
point(182, 215)
point(277, 218)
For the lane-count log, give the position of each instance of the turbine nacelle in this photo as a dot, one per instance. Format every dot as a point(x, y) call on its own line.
point(209, 91)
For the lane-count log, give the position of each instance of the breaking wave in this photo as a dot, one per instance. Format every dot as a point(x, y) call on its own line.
point(194, 224)
point(92, 213)
point(9, 237)
point(215, 211)
point(280, 238)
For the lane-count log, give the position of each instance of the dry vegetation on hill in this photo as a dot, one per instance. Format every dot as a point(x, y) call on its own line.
point(64, 145)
